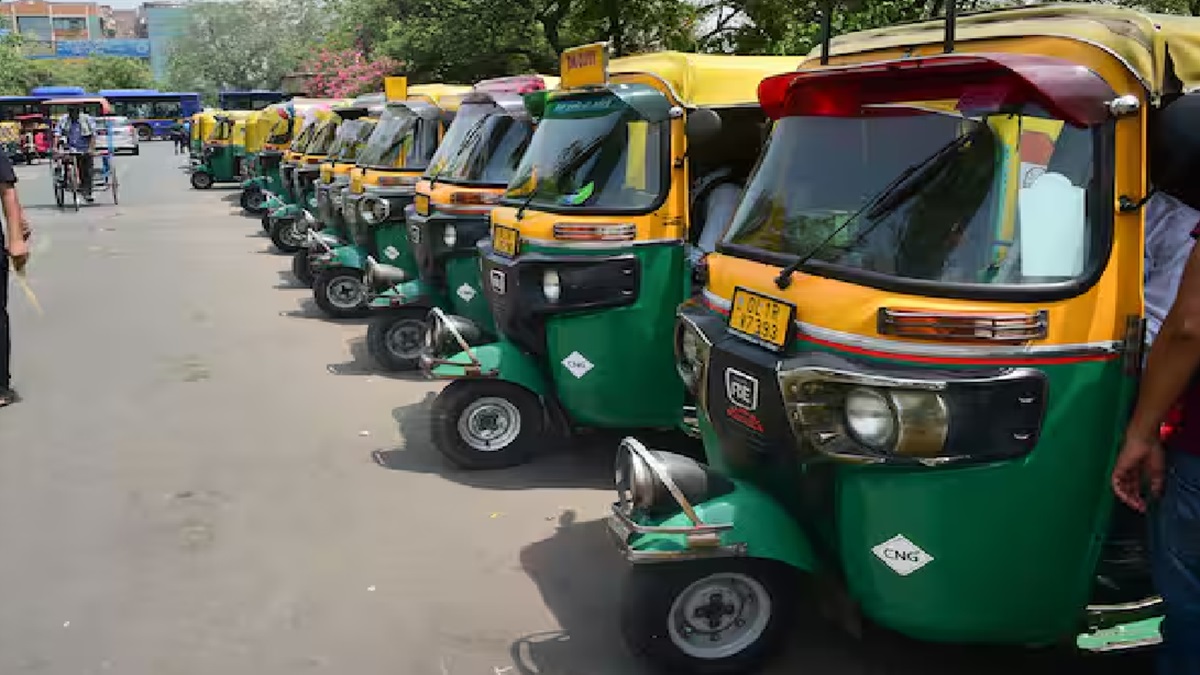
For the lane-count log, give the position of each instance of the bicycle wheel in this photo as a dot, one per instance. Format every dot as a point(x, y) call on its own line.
point(73, 185)
point(60, 193)
point(113, 182)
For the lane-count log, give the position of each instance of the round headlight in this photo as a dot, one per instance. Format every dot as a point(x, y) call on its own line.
point(870, 418)
point(551, 286)
point(450, 236)
point(634, 480)
point(690, 361)
point(366, 210)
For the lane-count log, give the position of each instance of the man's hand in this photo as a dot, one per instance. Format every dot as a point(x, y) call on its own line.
point(1141, 459)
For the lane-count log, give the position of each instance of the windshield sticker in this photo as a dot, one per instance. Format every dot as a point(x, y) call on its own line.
point(589, 107)
point(579, 197)
point(903, 556)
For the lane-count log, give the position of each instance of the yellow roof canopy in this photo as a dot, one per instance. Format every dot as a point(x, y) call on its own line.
point(707, 80)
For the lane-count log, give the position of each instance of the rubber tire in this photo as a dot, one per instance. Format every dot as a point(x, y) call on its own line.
point(277, 236)
point(266, 221)
point(301, 268)
point(144, 133)
point(649, 591)
point(377, 338)
point(202, 180)
point(453, 400)
point(321, 294)
point(251, 202)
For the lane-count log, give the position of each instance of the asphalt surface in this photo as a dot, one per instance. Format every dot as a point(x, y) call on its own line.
point(206, 476)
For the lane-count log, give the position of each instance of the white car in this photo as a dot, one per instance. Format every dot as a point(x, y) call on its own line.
point(125, 138)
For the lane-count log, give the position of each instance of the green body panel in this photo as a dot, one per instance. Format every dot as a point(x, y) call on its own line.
point(462, 273)
point(766, 528)
point(286, 211)
point(393, 247)
point(1136, 633)
point(221, 164)
point(353, 257)
point(504, 357)
point(633, 382)
point(409, 293)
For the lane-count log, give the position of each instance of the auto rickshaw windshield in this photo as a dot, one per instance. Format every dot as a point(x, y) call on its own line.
point(593, 152)
point(223, 130)
point(302, 139)
point(351, 138)
point(922, 193)
point(483, 147)
point(322, 138)
point(401, 139)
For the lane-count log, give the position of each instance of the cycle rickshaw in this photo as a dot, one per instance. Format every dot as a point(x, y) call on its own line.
point(64, 163)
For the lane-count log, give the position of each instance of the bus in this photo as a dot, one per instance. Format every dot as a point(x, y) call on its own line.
point(256, 99)
point(44, 93)
point(12, 107)
point(152, 113)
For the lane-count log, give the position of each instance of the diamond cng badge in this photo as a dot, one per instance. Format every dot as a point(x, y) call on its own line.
point(466, 292)
point(391, 252)
point(903, 556)
point(578, 364)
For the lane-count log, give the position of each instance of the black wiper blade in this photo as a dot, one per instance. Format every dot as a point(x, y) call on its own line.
point(907, 183)
point(472, 133)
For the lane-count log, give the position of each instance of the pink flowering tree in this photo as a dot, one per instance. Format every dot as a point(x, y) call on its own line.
point(346, 72)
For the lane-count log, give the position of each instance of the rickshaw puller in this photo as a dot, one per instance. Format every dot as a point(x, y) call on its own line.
point(79, 130)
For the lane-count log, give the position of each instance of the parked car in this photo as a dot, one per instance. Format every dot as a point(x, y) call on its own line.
point(125, 136)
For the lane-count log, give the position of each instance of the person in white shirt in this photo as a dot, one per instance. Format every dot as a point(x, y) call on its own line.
point(1169, 225)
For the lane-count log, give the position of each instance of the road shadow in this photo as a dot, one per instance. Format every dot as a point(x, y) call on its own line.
point(308, 310)
point(580, 573)
point(288, 281)
point(579, 462)
point(362, 364)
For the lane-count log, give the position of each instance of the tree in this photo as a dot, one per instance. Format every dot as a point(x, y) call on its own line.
point(18, 73)
point(100, 72)
point(244, 44)
point(346, 72)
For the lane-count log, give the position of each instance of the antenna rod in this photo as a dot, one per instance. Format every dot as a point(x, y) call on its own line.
point(951, 19)
point(826, 31)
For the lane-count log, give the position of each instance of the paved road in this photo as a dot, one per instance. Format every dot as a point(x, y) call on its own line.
point(206, 477)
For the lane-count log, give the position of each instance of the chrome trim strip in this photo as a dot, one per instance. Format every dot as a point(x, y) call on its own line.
point(591, 245)
point(390, 191)
point(902, 347)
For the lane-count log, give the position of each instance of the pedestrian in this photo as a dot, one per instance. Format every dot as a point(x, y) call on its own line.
point(79, 130)
point(1165, 482)
point(179, 134)
point(14, 254)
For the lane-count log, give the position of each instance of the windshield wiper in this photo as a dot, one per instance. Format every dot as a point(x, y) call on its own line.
point(903, 186)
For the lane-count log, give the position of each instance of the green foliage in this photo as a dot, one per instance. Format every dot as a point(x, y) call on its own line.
point(17, 73)
point(100, 72)
point(244, 44)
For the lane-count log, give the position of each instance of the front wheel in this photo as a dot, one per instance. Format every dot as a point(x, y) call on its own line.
point(252, 201)
point(288, 235)
point(266, 221)
point(395, 338)
point(711, 617)
point(202, 180)
point(341, 293)
point(302, 268)
point(487, 424)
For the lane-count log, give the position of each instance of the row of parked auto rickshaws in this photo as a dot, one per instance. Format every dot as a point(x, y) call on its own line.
point(905, 354)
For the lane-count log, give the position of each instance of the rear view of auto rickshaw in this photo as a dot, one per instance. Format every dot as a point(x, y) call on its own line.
point(223, 151)
point(333, 181)
point(381, 186)
point(915, 350)
point(203, 124)
point(464, 181)
point(590, 253)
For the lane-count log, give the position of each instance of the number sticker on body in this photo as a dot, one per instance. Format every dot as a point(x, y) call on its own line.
point(763, 319)
point(504, 240)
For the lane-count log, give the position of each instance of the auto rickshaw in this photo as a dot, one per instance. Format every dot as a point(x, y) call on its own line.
point(223, 151)
point(285, 204)
point(915, 350)
point(283, 121)
point(334, 179)
point(35, 137)
point(464, 181)
point(590, 253)
point(254, 138)
point(10, 139)
point(381, 186)
point(291, 221)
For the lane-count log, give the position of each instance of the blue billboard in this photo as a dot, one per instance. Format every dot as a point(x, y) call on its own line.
point(138, 48)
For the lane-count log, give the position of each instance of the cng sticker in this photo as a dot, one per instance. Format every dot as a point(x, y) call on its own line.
point(578, 364)
point(391, 252)
point(903, 556)
point(466, 292)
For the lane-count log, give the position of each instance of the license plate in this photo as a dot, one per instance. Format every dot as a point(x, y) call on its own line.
point(762, 319)
point(421, 205)
point(504, 240)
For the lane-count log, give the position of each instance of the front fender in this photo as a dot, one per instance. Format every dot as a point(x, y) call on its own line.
point(503, 358)
point(349, 256)
point(274, 203)
point(254, 183)
point(287, 211)
point(406, 294)
point(760, 525)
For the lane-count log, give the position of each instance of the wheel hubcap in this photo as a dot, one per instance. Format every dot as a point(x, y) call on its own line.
point(405, 338)
point(719, 616)
point(293, 234)
point(490, 424)
point(346, 292)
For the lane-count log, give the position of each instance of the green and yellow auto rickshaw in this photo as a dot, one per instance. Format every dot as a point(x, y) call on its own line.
point(283, 122)
point(334, 179)
point(590, 253)
point(223, 151)
point(381, 186)
point(202, 126)
point(463, 183)
point(307, 122)
point(915, 350)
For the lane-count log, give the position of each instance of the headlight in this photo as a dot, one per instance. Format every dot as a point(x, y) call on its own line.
point(870, 418)
point(551, 286)
point(374, 210)
point(691, 354)
point(639, 474)
point(450, 236)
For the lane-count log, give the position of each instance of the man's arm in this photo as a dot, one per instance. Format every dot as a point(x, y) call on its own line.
point(14, 215)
